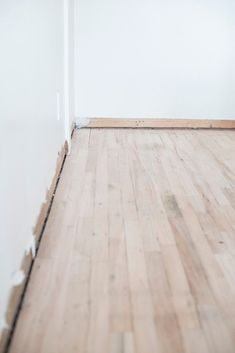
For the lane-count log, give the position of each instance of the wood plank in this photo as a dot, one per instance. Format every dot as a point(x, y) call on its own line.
point(160, 123)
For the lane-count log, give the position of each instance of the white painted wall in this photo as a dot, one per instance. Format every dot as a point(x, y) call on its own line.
point(31, 80)
point(69, 54)
point(156, 58)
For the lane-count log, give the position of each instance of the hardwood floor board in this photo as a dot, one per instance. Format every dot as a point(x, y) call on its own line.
point(138, 254)
point(166, 319)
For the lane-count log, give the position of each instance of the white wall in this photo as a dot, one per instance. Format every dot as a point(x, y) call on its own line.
point(156, 58)
point(31, 78)
point(69, 54)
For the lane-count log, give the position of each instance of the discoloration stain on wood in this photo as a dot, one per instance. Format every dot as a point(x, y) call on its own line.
point(171, 205)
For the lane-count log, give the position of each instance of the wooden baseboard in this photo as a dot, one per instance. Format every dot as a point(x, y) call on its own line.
point(17, 291)
point(160, 123)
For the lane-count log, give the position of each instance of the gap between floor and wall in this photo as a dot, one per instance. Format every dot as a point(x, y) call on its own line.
point(19, 289)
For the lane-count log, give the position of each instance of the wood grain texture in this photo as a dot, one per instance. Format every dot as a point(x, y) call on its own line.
point(160, 123)
point(138, 254)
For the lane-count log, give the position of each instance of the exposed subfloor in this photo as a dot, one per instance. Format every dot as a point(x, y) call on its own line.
point(138, 255)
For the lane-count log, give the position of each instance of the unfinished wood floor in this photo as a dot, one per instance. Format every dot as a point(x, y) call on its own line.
point(138, 255)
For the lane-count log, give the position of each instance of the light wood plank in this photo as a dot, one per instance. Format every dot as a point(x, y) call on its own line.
point(160, 123)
